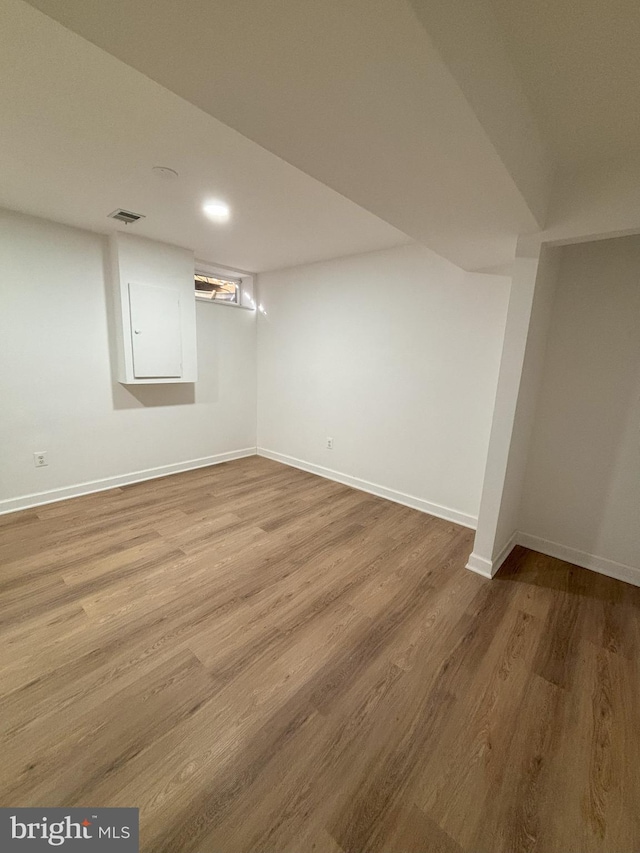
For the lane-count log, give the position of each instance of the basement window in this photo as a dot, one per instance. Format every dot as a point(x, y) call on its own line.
point(223, 286)
point(216, 289)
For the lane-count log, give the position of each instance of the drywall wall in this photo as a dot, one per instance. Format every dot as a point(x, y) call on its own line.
point(530, 305)
point(395, 356)
point(56, 375)
point(581, 498)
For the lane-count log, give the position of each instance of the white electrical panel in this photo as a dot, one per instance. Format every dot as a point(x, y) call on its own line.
point(155, 312)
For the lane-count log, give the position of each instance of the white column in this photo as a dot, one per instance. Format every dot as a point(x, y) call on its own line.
point(530, 304)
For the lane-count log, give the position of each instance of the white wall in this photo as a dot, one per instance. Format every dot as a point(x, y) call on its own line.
point(582, 489)
point(395, 356)
point(56, 384)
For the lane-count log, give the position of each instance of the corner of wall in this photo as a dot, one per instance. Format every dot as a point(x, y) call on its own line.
point(489, 568)
point(480, 565)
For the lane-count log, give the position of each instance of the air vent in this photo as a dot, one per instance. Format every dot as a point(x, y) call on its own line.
point(125, 216)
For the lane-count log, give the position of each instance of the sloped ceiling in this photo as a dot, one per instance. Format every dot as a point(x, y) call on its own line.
point(353, 94)
point(579, 63)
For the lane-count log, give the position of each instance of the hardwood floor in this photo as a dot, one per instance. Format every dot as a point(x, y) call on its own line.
point(262, 660)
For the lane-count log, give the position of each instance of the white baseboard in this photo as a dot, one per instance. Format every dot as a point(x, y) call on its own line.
point(488, 568)
point(373, 489)
point(39, 498)
point(479, 565)
point(619, 571)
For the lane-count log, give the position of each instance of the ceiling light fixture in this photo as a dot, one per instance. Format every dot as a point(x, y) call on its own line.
point(217, 210)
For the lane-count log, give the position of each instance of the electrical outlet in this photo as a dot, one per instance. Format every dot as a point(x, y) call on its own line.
point(329, 443)
point(40, 459)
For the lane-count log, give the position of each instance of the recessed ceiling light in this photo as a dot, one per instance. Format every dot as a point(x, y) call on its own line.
point(165, 172)
point(217, 210)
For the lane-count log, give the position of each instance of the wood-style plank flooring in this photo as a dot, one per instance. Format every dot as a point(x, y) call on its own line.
point(263, 660)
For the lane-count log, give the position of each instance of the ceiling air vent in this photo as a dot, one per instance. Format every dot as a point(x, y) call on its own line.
point(125, 216)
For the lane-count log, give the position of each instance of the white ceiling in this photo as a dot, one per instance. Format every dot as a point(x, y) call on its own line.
point(81, 132)
point(354, 93)
point(440, 117)
point(579, 64)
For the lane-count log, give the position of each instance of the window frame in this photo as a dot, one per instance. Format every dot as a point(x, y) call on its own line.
point(244, 280)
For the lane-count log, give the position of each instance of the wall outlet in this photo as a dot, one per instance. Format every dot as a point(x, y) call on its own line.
point(329, 443)
point(40, 459)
